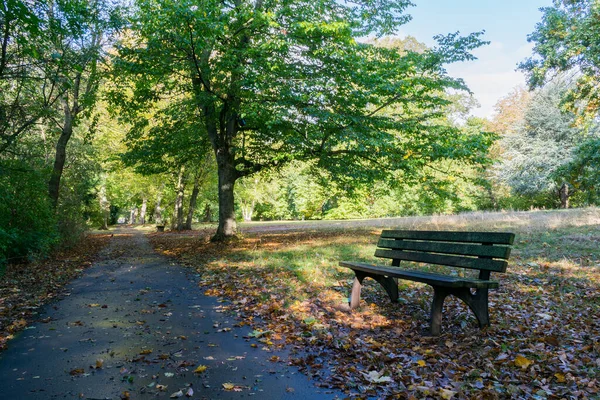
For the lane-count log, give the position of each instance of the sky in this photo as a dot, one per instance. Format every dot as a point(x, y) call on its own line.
point(506, 23)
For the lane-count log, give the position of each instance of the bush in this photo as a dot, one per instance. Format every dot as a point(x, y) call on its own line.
point(27, 223)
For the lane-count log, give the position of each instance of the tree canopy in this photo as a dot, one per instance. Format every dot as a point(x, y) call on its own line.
point(276, 81)
point(567, 40)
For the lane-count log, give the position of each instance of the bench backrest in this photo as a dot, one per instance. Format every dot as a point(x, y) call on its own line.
point(484, 251)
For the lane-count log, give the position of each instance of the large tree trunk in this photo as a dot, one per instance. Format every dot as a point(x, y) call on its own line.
point(143, 211)
point(192, 206)
point(61, 155)
point(177, 223)
point(227, 178)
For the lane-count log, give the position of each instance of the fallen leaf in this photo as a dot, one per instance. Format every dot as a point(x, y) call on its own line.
point(99, 363)
point(200, 369)
point(144, 352)
point(377, 377)
point(161, 388)
point(177, 394)
point(77, 371)
point(522, 362)
point(447, 394)
point(228, 386)
point(421, 363)
point(560, 377)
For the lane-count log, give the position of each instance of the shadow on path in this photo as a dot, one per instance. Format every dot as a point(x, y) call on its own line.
point(144, 322)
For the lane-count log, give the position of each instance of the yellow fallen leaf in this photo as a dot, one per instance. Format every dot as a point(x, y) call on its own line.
point(560, 378)
point(144, 352)
point(200, 369)
point(99, 363)
point(95, 305)
point(447, 394)
point(522, 362)
point(228, 386)
point(421, 363)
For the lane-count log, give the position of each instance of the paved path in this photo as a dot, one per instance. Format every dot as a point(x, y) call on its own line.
point(143, 320)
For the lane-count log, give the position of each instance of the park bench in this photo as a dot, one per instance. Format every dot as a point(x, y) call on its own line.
point(484, 251)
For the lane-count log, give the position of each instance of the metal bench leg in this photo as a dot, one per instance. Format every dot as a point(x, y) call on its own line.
point(478, 303)
point(390, 285)
point(439, 295)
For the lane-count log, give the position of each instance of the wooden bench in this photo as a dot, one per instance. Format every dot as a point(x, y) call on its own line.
point(484, 251)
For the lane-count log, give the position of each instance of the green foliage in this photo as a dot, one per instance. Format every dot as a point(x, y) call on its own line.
point(280, 81)
point(583, 172)
point(537, 147)
point(566, 39)
point(28, 226)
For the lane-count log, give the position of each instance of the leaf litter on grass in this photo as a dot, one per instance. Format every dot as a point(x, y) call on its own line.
point(543, 342)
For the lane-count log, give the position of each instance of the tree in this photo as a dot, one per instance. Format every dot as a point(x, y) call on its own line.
point(566, 40)
point(536, 146)
point(27, 93)
point(76, 31)
point(276, 81)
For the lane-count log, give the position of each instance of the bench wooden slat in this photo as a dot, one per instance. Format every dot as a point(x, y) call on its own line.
point(423, 277)
point(439, 259)
point(466, 237)
point(447, 248)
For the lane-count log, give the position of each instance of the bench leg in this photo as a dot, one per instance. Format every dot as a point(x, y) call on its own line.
point(389, 284)
point(355, 295)
point(478, 303)
point(439, 295)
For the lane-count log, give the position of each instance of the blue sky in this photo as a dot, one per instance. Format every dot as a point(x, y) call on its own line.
point(506, 23)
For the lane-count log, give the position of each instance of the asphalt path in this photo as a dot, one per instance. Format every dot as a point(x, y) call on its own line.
point(136, 325)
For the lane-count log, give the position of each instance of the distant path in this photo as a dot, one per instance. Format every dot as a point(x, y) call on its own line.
point(146, 318)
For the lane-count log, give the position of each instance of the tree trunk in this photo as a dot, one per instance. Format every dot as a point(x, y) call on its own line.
point(177, 223)
point(61, 156)
point(564, 195)
point(104, 208)
point(192, 206)
point(157, 209)
point(207, 213)
point(248, 210)
point(227, 225)
point(143, 211)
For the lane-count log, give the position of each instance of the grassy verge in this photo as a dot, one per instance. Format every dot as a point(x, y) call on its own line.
point(26, 287)
point(544, 341)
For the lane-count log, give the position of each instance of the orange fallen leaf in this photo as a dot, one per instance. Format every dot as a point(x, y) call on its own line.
point(77, 371)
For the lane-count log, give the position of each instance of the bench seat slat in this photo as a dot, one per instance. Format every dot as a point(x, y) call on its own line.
point(439, 259)
point(420, 276)
point(447, 248)
point(466, 237)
